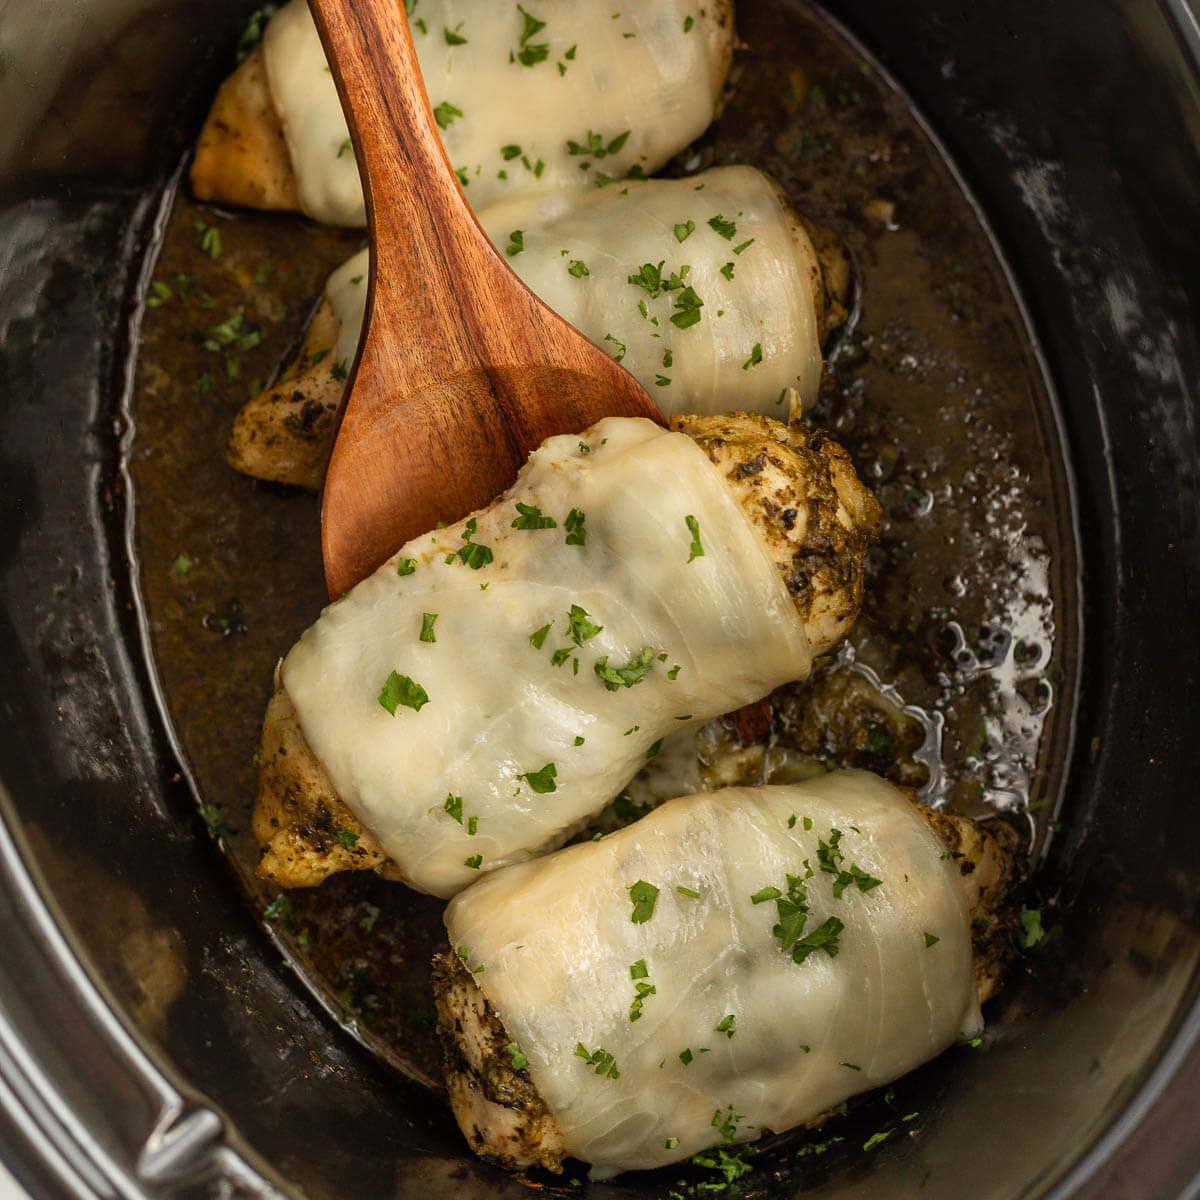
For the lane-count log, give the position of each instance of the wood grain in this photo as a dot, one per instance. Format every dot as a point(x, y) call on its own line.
point(462, 370)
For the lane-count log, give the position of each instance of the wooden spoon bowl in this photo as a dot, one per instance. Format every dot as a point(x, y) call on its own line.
point(461, 369)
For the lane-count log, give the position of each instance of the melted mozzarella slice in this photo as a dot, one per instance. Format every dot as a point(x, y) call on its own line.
point(725, 234)
point(558, 665)
point(626, 89)
point(736, 1037)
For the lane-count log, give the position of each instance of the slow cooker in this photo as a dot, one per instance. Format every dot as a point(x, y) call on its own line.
point(150, 1045)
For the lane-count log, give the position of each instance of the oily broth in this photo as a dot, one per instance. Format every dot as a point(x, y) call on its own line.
point(958, 677)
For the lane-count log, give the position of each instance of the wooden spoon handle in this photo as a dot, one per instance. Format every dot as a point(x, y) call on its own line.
point(429, 252)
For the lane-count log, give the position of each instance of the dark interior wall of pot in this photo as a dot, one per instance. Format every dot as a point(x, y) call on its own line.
point(1081, 137)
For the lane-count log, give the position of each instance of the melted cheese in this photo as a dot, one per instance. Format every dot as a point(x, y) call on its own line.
point(766, 297)
point(640, 73)
point(499, 708)
point(556, 941)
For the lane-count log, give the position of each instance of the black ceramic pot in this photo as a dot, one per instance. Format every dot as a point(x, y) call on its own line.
point(1077, 128)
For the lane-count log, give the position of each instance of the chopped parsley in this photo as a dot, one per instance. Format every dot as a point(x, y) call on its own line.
point(538, 637)
point(453, 806)
point(744, 246)
point(879, 1138)
point(832, 862)
point(346, 146)
point(579, 627)
point(510, 152)
point(649, 278)
point(655, 747)
point(725, 1026)
point(688, 305)
point(427, 620)
point(182, 564)
point(600, 1059)
point(400, 691)
point(620, 351)
point(931, 940)
point(473, 554)
point(792, 909)
point(594, 146)
point(519, 1061)
point(644, 896)
point(516, 242)
point(696, 550)
point(208, 238)
point(685, 230)
point(405, 566)
point(686, 1056)
point(537, 52)
point(446, 114)
point(280, 909)
point(722, 227)
point(347, 838)
point(574, 525)
point(1031, 928)
point(542, 781)
point(453, 37)
point(687, 891)
point(688, 22)
point(578, 740)
point(639, 972)
point(560, 656)
point(755, 357)
point(578, 268)
point(727, 270)
point(474, 862)
point(340, 371)
point(632, 673)
point(529, 516)
point(673, 673)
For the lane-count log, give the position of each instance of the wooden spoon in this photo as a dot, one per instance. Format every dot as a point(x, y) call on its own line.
point(461, 370)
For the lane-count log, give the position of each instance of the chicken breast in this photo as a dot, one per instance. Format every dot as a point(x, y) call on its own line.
point(626, 90)
point(706, 614)
point(611, 263)
point(532, 964)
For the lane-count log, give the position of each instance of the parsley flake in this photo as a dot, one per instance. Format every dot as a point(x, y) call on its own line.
point(405, 566)
point(516, 242)
point(446, 114)
point(538, 637)
point(427, 620)
point(453, 37)
point(542, 781)
point(684, 230)
point(722, 227)
point(756, 356)
point(347, 838)
point(519, 1061)
point(744, 246)
point(579, 627)
point(474, 862)
point(931, 940)
point(578, 268)
point(696, 550)
point(688, 305)
point(529, 516)
point(603, 1062)
point(400, 691)
point(620, 348)
point(725, 1026)
point(632, 673)
point(574, 525)
point(644, 896)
